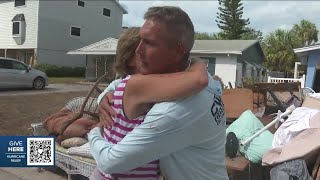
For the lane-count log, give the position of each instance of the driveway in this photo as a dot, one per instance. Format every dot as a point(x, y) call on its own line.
point(52, 88)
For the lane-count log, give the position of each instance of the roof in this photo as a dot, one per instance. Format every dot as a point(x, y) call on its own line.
point(18, 17)
point(108, 47)
point(222, 46)
point(307, 48)
point(104, 47)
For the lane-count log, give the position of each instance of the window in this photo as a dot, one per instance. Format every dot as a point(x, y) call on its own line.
point(19, 3)
point(211, 64)
point(81, 3)
point(106, 12)
point(16, 28)
point(5, 64)
point(18, 66)
point(75, 31)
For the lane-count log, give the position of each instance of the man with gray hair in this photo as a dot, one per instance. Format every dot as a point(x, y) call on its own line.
point(188, 136)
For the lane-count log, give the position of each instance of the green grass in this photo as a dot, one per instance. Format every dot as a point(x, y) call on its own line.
point(65, 80)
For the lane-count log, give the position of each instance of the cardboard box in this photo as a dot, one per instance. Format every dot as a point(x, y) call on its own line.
point(236, 101)
point(311, 102)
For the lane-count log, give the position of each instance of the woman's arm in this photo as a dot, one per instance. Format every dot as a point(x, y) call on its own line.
point(142, 90)
point(111, 88)
point(168, 87)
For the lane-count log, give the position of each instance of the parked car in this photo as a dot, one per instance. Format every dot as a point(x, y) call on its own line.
point(16, 74)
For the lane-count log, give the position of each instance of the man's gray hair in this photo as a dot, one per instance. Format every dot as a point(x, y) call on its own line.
point(178, 24)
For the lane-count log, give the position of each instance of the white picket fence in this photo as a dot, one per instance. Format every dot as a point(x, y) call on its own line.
point(284, 80)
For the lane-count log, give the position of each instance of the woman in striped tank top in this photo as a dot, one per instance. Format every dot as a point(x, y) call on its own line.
point(136, 94)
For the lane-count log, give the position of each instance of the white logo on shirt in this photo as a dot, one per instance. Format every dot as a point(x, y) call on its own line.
point(217, 110)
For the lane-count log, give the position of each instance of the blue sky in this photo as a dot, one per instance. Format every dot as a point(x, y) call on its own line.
point(264, 15)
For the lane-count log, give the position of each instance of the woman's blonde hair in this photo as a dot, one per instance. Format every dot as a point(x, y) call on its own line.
point(127, 44)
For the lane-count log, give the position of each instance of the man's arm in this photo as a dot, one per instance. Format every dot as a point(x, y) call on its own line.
point(159, 135)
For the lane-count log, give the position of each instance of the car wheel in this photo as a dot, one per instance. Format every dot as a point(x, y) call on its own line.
point(38, 83)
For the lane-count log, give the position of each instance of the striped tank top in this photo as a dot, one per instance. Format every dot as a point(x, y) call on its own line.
point(121, 127)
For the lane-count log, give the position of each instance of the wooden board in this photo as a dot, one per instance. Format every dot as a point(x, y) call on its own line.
point(277, 86)
point(311, 102)
point(236, 101)
point(238, 163)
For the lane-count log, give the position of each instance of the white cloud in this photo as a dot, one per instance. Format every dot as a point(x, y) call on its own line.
point(264, 15)
point(285, 27)
point(270, 15)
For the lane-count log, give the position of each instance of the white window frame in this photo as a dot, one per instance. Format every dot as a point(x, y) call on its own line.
point(71, 31)
point(16, 35)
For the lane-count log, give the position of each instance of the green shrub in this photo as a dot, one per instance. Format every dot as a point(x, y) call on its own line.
point(248, 82)
point(64, 71)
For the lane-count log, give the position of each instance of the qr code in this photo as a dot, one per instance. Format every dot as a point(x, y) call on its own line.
point(40, 151)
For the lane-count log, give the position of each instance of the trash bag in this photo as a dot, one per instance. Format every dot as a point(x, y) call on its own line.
point(244, 127)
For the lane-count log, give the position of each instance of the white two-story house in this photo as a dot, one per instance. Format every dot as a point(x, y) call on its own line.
point(43, 31)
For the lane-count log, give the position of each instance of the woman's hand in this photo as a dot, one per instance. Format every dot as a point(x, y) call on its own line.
point(106, 112)
point(199, 68)
point(197, 64)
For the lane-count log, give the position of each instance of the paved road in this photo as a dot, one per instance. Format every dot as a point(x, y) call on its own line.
point(52, 88)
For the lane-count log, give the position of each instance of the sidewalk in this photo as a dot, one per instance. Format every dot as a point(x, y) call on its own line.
point(30, 174)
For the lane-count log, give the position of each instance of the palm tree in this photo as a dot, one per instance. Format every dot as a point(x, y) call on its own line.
point(306, 33)
point(278, 48)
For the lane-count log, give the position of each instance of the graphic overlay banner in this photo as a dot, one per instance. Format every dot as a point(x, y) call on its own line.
point(27, 151)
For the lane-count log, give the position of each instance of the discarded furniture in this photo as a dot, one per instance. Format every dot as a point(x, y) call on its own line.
point(82, 106)
point(236, 101)
point(71, 164)
point(303, 145)
point(305, 91)
point(87, 106)
point(279, 96)
point(288, 80)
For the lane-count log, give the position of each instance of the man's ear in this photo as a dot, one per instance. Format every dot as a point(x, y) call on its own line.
point(180, 50)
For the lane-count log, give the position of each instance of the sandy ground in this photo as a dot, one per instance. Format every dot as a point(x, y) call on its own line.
point(18, 112)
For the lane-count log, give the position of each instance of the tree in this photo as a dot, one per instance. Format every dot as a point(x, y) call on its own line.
point(278, 48)
point(252, 34)
point(230, 19)
point(306, 33)
point(206, 36)
point(219, 36)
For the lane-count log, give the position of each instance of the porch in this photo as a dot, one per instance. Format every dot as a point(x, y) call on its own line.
point(28, 56)
point(98, 65)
